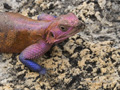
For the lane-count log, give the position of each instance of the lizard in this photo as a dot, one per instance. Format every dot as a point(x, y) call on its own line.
point(33, 38)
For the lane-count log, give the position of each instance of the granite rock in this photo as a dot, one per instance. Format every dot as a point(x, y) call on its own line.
point(88, 60)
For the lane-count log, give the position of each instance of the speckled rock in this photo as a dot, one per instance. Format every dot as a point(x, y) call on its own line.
point(89, 60)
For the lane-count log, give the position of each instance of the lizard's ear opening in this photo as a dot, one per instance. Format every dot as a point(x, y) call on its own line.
point(50, 37)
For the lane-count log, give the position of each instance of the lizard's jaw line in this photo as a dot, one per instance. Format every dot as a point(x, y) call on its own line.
point(64, 36)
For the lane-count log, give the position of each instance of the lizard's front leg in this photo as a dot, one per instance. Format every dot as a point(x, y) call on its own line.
point(34, 51)
point(45, 17)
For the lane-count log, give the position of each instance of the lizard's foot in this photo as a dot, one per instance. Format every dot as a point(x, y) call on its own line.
point(32, 65)
point(34, 51)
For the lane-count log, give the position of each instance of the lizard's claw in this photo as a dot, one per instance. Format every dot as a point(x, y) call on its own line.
point(42, 71)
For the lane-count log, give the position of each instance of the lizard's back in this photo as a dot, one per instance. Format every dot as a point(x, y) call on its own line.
point(15, 32)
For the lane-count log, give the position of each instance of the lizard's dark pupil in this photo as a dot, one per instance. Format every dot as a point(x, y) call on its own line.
point(63, 28)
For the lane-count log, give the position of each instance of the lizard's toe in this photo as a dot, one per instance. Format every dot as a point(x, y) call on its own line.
point(42, 71)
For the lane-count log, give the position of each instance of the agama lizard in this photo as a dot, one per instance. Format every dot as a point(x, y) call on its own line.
point(33, 38)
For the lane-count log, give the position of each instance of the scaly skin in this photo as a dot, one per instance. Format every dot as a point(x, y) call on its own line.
point(32, 38)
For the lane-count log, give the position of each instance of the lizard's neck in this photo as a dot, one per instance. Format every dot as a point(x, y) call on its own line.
point(32, 25)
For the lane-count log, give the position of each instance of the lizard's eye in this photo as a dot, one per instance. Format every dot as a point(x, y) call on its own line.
point(63, 28)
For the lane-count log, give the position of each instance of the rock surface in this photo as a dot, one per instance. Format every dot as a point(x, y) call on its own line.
point(87, 61)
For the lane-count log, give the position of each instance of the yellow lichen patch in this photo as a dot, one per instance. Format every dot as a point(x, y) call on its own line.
point(75, 71)
point(65, 64)
point(46, 83)
point(26, 88)
point(1, 88)
point(79, 41)
point(49, 63)
point(38, 1)
point(6, 56)
point(25, 12)
point(102, 81)
point(74, 55)
point(31, 74)
point(84, 52)
point(37, 87)
point(101, 49)
point(103, 70)
point(7, 87)
point(116, 55)
point(56, 51)
point(81, 63)
point(94, 86)
point(102, 3)
point(67, 80)
point(61, 76)
point(70, 46)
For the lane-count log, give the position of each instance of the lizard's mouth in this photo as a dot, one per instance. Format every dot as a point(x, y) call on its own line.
point(66, 35)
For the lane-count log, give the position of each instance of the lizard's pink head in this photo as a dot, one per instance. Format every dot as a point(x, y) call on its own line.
point(63, 27)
